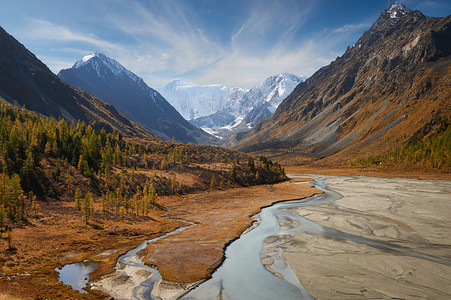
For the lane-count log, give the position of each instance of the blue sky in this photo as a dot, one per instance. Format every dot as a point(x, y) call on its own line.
point(230, 42)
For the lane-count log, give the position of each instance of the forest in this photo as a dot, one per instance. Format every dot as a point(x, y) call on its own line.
point(43, 159)
point(428, 152)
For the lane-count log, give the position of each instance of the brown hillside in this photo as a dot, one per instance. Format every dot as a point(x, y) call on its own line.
point(390, 88)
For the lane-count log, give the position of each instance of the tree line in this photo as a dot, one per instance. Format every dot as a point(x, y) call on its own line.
point(421, 153)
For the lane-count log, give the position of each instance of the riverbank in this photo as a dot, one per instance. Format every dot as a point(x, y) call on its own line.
point(373, 172)
point(411, 214)
point(220, 217)
point(60, 237)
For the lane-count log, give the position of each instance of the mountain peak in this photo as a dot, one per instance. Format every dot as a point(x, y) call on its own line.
point(100, 62)
point(397, 13)
point(85, 59)
point(88, 57)
point(397, 10)
point(105, 78)
point(180, 82)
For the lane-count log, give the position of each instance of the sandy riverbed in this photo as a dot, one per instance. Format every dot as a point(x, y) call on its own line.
point(410, 213)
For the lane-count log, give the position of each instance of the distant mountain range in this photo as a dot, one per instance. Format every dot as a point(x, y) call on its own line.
point(194, 101)
point(26, 80)
point(390, 88)
point(105, 78)
point(223, 110)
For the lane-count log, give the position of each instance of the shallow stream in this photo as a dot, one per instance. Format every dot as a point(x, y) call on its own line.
point(243, 275)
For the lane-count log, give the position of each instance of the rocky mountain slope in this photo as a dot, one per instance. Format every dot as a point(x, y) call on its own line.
point(390, 88)
point(29, 82)
point(108, 80)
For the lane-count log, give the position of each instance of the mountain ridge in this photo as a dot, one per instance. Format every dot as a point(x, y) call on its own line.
point(368, 99)
point(108, 80)
point(25, 79)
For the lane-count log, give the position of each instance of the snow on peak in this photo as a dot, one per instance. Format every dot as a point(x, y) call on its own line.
point(85, 60)
point(100, 61)
point(88, 57)
point(397, 10)
point(391, 16)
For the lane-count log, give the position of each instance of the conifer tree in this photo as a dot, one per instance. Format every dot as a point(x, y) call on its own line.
point(182, 156)
point(87, 207)
point(103, 202)
point(78, 199)
point(152, 194)
point(2, 219)
point(233, 172)
point(174, 183)
point(135, 204)
point(107, 176)
point(35, 206)
point(9, 238)
point(164, 164)
point(81, 164)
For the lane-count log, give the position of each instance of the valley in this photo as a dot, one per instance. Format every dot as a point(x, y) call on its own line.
point(60, 236)
point(117, 181)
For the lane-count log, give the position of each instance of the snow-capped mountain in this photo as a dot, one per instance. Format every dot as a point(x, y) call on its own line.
point(221, 110)
point(194, 101)
point(397, 10)
point(108, 80)
point(254, 106)
point(273, 90)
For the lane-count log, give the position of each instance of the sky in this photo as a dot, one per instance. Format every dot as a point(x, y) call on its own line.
point(231, 42)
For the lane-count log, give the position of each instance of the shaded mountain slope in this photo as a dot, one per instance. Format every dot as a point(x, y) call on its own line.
point(25, 79)
point(391, 87)
point(105, 78)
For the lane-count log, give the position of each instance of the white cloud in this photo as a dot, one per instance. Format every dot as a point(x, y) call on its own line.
point(39, 29)
point(171, 41)
point(160, 41)
point(167, 39)
point(351, 27)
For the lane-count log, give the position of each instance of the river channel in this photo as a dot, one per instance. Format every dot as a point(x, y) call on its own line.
point(243, 275)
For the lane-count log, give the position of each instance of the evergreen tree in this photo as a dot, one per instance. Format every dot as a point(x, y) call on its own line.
point(232, 173)
point(87, 207)
point(35, 206)
point(152, 194)
point(2, 219)
point(164, 164)
point(182, 156)
point(78, 199)
point(9, 238)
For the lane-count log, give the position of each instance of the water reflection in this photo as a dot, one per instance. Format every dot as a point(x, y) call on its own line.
point(77, 274)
